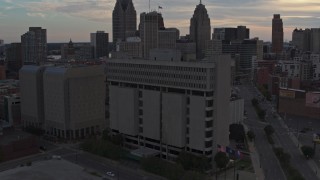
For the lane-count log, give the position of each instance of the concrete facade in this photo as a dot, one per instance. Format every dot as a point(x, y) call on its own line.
point(170, 106)
point(32, 102)
point(74, 101)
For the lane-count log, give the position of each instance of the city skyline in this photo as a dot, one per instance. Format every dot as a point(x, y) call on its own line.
point(76, 19)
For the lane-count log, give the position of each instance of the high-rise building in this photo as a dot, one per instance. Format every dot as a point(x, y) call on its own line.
point(149, 28)
point(200, 29)
point(315, 40)
point(171, 106)
point(34, 46)
point(124, 20)
point(2, 49)
point(68, 51)
point(230, 34)
point(168, 38)
point(298, 38)
point(277, 34)
point(100, 43)
point(14, 57)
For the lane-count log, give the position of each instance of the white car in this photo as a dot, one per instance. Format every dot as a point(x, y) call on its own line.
point(109, 173)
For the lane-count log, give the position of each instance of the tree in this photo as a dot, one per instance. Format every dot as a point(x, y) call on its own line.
point(261, 114)
point(254, 102)
point(307, 151)
point(192, 162)
point(269, 130)
point(105, 134)
point(221, 160)
point(251, 135)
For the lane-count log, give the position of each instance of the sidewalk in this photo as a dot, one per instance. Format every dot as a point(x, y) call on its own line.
point(255, 159)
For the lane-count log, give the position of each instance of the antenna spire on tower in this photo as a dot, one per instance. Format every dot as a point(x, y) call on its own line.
point(200, 1)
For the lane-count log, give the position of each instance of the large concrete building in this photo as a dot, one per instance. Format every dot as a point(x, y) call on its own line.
point(32, 102)
point(100, 43)
point(67, 102)
point(124, 20)
point(74, 101)
point(170, 106)
point(277, 34)
point(200, 29)
point(34, 46)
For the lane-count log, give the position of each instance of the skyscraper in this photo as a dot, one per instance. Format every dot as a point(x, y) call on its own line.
point(34, 46)
point(315, 40)
point(149, 28)
point(200, 29)
point(124, 20)
point(277, 34)
point(100, 43)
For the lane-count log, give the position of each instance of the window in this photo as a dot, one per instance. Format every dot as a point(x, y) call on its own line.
point(209, 113)
point(208, 134)
point(208, 144)
point(209, 124)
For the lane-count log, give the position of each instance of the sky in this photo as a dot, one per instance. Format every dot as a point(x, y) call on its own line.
point(76, 19)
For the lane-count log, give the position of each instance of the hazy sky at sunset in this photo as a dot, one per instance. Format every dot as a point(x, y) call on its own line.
point(75, 19)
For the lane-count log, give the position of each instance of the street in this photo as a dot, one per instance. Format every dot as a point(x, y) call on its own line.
point(281, 136)
point(268, 161)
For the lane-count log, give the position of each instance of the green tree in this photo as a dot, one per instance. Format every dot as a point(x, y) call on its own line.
point(221, 160)
point(192, 162)
point(255, 102)
point(105, 134)
point(307, 151)
point(251, 135)
point(269, 130)
point(262, 114)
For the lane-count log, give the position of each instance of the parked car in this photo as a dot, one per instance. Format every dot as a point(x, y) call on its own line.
point(109, 173)
point(43, 148)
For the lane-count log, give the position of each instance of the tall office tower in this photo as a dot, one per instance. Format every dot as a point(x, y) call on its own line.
point(230, 34)
point(74, 100)
point(100, 43)
point(149, 28)
point(1, 47)
point(200, 29)
point(298, 38)
point(124, 20)
point(34, 46)
point(32, 102)
point(184, 106)
point(277, 34)
point(306, 40)
point(243, 33)
point(168, 38)
point(14, 57)
point(315, 40)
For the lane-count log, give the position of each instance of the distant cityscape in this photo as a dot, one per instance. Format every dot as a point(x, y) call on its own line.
point(208, 105)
